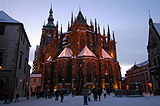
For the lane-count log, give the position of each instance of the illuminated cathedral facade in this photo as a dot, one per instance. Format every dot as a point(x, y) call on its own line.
point(80, 57)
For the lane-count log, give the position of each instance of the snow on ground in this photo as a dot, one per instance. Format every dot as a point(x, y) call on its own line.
point(78, 101)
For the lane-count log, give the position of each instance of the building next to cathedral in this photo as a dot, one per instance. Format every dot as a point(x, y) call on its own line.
point(80, 57)
point(138, 77)
point(14, 56)
point(154, 53)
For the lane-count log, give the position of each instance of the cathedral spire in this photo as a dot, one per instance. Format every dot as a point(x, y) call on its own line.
point(68, 25)
point(80, 18)
point(99, 29)
point(95, 26)
point(72, 18)
point(113, 37)
point(104, 31)
point(61, 28)
point(50, 18)
point(108, 34)
point(91, 24)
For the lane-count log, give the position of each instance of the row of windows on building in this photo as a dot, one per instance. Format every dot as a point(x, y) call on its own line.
point(35, 80)
point(2, 32)
point(25, 62)
point(139, 78)
point(156, 60)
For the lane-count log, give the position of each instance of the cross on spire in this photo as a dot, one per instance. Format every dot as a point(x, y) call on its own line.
point(79, 8)
point(149, 13)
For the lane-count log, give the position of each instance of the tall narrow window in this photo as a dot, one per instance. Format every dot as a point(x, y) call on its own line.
point(16, 81)
point(20, 60)
point(23, 40)
point(2, 29)
point(69, 73)
point(158, 59)
point(155, 62)
point(60, 75)
point(1, 58)
point(34, 80)
point(23, 84)
point(25, 63)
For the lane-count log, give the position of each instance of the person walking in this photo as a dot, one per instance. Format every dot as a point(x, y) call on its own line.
point(62, 95)
point(17, 97)
point(57, 95)
point(85, 95)
point(99, 93)
point(95, 94)
point(6, 99)
point(28, 95)
point(104, 93)
point(11, 97)
point(73, 93)
point(37, 95)
point(89, 93)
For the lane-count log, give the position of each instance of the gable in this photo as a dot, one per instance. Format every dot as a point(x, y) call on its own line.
point(65, 53)
point(86, 52)
point(105, 55)
point(157, 27)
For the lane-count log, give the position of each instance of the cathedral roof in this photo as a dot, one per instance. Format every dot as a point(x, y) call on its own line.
point(86, 52)
point(66, 53)
point(142, 64)
point(139, 65)
point(6, 18)
point(157, 27)
point(80, 18)
point(35, 75)
point(105, 55)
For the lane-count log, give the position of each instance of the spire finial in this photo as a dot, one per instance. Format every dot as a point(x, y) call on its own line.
point(149, 14)
point(72, 18)
point(3, 5)
point(113, 36)
point(61, 28)
point(79, 8)
point(104, 31)
point(108, 34)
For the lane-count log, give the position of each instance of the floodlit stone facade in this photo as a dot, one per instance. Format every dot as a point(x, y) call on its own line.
point(139, 75)
point(14, 56)
point(154, 53)
point(80, 57)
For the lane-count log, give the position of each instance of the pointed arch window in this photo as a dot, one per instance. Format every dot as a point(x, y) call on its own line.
point(89, 70)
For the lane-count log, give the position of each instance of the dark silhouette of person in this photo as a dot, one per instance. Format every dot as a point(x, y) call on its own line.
point(85, 95)
point(95, 94)
point(99, 92)
point(6, 99)
point(57, 95)
point(62, 95)
point(104, 93)
point(17, 97)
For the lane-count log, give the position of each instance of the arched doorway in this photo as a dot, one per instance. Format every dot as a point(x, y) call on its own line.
point(1, 89)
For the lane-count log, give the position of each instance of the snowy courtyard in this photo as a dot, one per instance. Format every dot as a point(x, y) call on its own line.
point(78, 101)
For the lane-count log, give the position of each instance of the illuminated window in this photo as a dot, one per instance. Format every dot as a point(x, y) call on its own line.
point(111, 54)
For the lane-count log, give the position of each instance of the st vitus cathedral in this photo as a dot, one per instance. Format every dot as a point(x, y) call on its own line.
point(80, 57)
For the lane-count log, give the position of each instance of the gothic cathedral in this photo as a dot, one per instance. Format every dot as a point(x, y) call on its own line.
point(80, 57)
